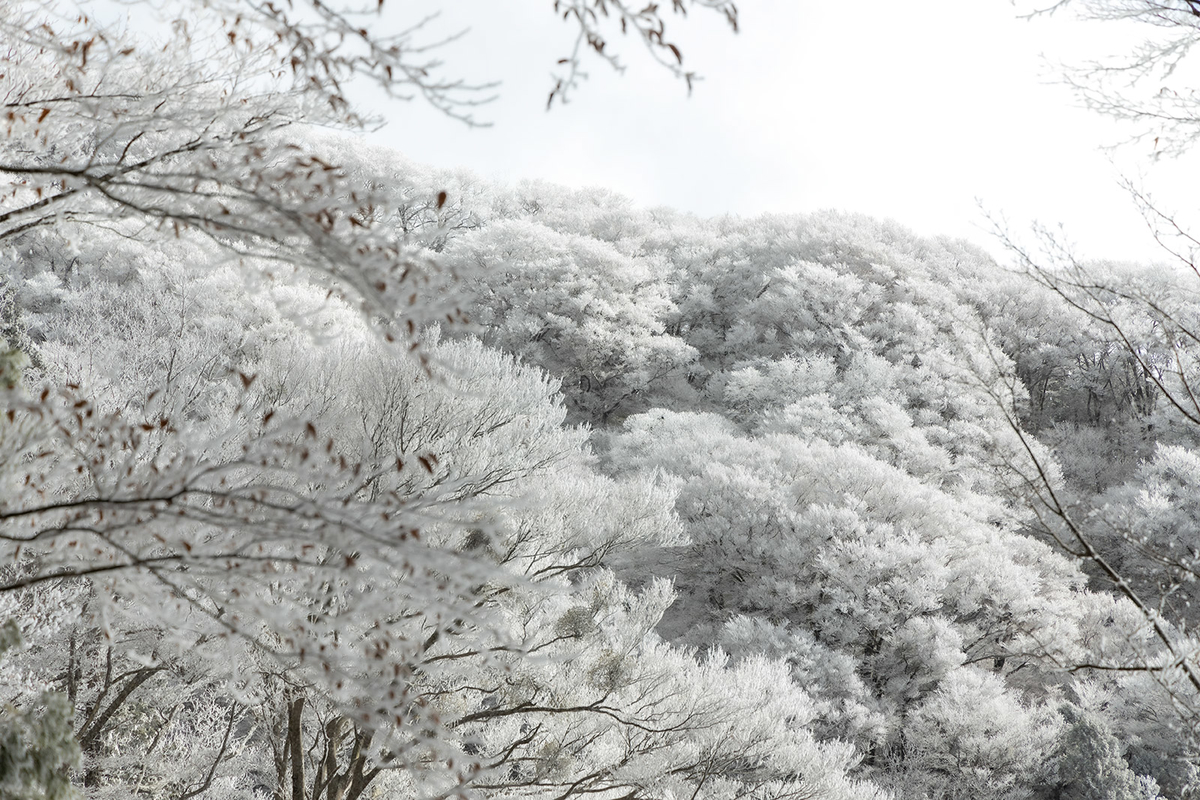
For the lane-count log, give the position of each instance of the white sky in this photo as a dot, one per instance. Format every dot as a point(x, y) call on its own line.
point(904, 110)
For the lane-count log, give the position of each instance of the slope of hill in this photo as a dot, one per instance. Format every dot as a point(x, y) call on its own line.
point(752, 500)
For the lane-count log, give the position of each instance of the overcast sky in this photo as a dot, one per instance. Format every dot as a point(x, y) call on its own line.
point(913, 111)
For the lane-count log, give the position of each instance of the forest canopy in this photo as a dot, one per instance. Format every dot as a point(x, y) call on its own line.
point(326, 474)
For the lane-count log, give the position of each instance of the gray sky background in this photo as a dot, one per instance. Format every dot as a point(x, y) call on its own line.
point(911, 111)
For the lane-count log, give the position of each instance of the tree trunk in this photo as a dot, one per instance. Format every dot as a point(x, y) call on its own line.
point(295, 746)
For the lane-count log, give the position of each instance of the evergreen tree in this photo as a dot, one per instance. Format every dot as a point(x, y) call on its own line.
point(37, 746)
point(1090, 763)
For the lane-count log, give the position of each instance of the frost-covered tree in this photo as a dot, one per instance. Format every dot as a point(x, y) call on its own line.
point(550, 679)
point(1129, 534)
point(582, 310)
point(1090, 763)
point(1147, 84)
point(217, 524)
point(882, 593)
point(972, 736)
